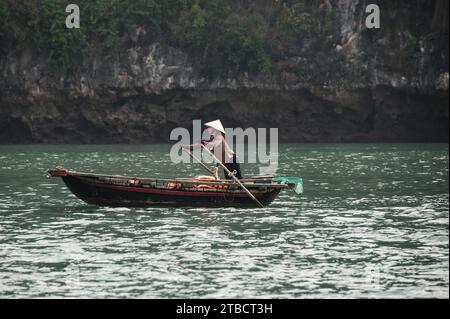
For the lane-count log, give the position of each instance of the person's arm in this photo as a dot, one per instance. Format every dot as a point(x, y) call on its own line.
point(199, 145)
point(214, 142)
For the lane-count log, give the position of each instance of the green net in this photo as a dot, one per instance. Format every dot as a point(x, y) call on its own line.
point(295, 182)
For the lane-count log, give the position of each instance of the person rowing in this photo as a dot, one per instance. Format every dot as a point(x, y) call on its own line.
point(218, 145)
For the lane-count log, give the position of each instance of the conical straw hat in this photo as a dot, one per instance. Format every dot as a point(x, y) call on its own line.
point(216, 125)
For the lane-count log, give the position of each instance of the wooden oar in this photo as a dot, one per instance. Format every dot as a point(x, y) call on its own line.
point(234, 177)
point(200, 162)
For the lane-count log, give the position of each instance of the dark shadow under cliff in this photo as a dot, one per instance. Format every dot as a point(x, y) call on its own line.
point(381, 114)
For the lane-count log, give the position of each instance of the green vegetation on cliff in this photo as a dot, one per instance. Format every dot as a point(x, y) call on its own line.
point(221, 39)
point(228, 37)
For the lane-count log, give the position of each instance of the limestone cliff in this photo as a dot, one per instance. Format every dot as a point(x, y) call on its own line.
point(342, 83)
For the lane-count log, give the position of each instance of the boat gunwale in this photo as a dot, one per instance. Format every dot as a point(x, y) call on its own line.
point(188, 181)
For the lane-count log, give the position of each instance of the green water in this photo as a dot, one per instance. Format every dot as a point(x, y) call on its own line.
point(373, 222)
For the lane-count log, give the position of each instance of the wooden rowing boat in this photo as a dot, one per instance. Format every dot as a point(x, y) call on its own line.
point(201, 191)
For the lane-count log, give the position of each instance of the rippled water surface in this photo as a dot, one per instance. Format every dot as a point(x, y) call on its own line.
point(373, 222)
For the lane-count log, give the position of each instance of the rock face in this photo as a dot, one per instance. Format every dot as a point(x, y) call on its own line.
point(372, 86)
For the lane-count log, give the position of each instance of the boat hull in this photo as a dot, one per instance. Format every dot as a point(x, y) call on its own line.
point(104, 194)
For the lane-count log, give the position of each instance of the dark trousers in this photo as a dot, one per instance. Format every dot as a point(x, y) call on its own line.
point(233, 166)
